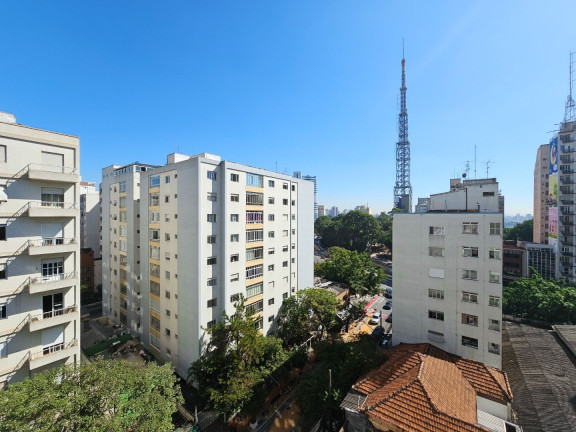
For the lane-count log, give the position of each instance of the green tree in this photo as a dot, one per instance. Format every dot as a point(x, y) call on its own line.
point(353, 268)
point(106, 395)
point(522, 231)
point(321, 224)
point(301, 315)
point(354, 230)
point(237, 359)
point(385, 221)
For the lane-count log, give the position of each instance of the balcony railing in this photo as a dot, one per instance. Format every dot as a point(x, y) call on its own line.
point(52, 278)
point(47, 350)
point(566, 159)
point(52, 241)
point(52, 168)
point(53, 204)
point(567, 149)
point(54, 313)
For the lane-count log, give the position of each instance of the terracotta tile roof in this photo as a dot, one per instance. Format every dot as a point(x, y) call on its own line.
point(489, 382)
point(419, 392)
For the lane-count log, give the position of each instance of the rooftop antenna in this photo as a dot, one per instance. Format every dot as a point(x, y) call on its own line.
point(570, 108)
point(475, 162)
point(487, 163)
point(467, 168)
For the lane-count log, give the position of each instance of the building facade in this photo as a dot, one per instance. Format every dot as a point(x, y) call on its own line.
point(210, 231)
point(542, 258)
point(39, 250)
point(448, 272)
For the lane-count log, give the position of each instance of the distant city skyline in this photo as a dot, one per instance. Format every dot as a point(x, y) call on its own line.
point(318, 94)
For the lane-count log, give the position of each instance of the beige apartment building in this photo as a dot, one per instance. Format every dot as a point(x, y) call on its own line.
point(205, 232)
point(541, 195)
point(39, 250)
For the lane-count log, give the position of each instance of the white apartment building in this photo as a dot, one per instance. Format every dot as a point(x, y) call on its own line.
point(39, 250)
point(120, 241)
point(209, 231)
point(90, 217)
point(448, 272)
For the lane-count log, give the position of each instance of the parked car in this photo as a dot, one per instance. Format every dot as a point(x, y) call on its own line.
point(389, 319)
point(375, 318)
point(378, 331)
point(388, 305)
point(388, 293)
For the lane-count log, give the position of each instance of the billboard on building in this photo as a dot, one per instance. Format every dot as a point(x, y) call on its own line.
point(553, 193)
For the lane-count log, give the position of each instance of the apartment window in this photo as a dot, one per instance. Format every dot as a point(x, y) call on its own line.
point(270, 251)
point(167, 256)
point(436, 294)
point(285, 217)
point(285, 279)
point(285, 201)
point(469, 297)
point(154, 181)
point(154, 341)
point(155, 288)
point(211, 260)
point(234, 238)
point(285, 295)
point(254, 217)
point(271, 217)
point(167, 179)
point(254, 236)
point(234, 277)
point(211, 217)
point(259, 323)
point(470, 228)
point(154, 217)
point(293, 245)
point(253, 198)
point(271, 267)
point(285, 186)
point(123, 230)
point(212, 196)
point(211, 175)
point(435, 336)
point(235, 217)
point(2, 153)
point(470, 274)
point(434, 230)
point(495, 228)
point(293, 231)
point(436, 273)
point(285, 248)
point(494, 277)
point(436, 315)
point(495, 253)
point(166, 198)
point(254, 254)
point(211, 239)
point(254, 180)
point(122, 201)
point(154, 323)
point(234, 258)
point(270, 302)
point(285, 233)
point(211, 303)
point(270, 234)
point(254, 271)
point(3, 314)
point(255, 307)
point(234, 298)
point(235, 177)
point(167, 294)
point(494, 324)
point(271, 318)
point(123, 216)
point(494, 348)
point(271, 183)
point(470, 342)
point(154, 198)
point(154, 252)
point(436, 251)
point(167, 237)
point(154, 270)
point(254, 290)
point(235, 198)
point(211, 282)
point(293, 217)
point(293, 188)
point(154, 234)
point(285, 264)
point(271, 200)
point(494, 301)
point(470, 251)
point(293, 260)
point(470, 320)
point(293, 202)
point(211, 324)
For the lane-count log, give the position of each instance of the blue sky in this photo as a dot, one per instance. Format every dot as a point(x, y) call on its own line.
point(307, 86)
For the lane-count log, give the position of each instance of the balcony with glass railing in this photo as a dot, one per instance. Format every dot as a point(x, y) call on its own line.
point(43, 284)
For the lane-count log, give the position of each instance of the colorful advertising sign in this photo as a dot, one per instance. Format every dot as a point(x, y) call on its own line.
point(553, 193)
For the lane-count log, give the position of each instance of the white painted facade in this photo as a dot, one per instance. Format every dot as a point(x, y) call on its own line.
point(39, 250)
point(90, 218)
point(448, 274)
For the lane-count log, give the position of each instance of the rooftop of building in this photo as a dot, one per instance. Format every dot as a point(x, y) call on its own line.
point(424, 388)
point(10, 119)
point(541, 367)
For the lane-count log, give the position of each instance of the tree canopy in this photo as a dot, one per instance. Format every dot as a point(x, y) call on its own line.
point(353, 268)
point(354, 230)
point(106, 395)
point(523, 231)
point(540, 299)
point(236, 360)
point(305, 313)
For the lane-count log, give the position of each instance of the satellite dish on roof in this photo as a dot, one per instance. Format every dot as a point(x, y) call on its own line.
point(463, 175)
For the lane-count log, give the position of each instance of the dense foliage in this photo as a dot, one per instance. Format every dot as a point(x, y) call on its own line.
point(353, 268)
point(540, 299)
point(237, 359)
point(106, 395)
point(345, 362)
point(305, 313)
point(522, 231)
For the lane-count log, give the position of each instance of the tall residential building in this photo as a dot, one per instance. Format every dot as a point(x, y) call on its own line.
point(39, 250)
point(90, 218)
point(563, 145)
point(120, 192)
point(542, 258)
point(448, 272)
point(313, 179)
point(541, 195)
point(321, 210)
point(209, 231)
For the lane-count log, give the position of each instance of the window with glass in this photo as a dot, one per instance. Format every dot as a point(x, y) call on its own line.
point(254, 217)
point(154, 323)
point(271, 183)
point(470, 228)
point(235, 198)
point(155, 288)
point(271, 200)
point(211, 282)
point(234, 177)
point(436, 251)
point(212, 196)
point(435, 230)
point(435, 336)
point(494, 301)
point(495, 228)
point(154, 198)
point(470, 274)
point(154, 234)
point(254, 253)
point(254, 290)
point(211, 217)
point(155, 270)
point(494, 277)
point(471, 320)
point(53, 269)
point(494, 324)
point(436, 294)
point(155, 252)
point(154, 181)
point(436, 315)
point(254, 180)
point(154, 217)
point(234, 277)
point(122, 187)
point(211, 239)
point(253, 198)
point(254, 236)
point(255, 307)
point(468, 251)
point(211, 260)
point(234, 258)
point(254, 271)
point(469, 297)
point(470, 342)
point(211, 175)
point(234, 238)
point(493, 348)
point(495, 253)
point(235, 217)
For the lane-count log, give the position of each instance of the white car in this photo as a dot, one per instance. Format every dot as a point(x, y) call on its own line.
point(375, 318)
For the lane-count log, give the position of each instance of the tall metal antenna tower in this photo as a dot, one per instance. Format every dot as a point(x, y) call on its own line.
point(402, 187)
point(570, 109)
